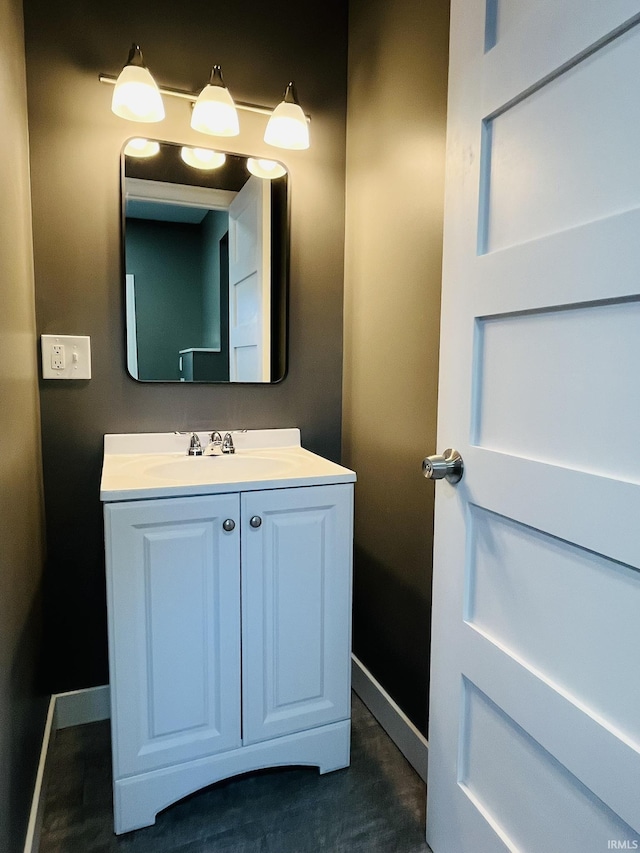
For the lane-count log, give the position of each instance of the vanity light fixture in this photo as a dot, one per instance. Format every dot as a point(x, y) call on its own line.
point(136, 95)
point(215, 112)
point(268, 169)
point(287, 127)
point(139, 147)
point(202, 158)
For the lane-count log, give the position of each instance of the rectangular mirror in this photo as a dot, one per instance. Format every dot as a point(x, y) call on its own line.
point(205, 260)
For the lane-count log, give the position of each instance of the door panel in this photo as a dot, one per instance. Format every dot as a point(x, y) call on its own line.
point(250, 283)
point(554, 372)
point(543, 39)
point(534, 731)
point(512, 569)
point(174, 602)
point(529, 190)
point(296, 614)
point(177, 700)
point(496, 751)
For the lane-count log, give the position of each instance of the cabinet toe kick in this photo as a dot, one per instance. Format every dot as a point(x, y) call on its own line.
point(138, 799)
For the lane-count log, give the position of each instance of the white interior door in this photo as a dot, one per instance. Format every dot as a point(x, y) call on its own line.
point(535, 692)
point(250, 283)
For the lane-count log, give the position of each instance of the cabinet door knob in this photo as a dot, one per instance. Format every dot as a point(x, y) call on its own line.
point(255, 521)
point(228, 524)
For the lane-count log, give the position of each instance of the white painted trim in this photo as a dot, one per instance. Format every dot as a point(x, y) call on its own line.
point(411, 742)
point(139, 189)
point(65, 709)
point(32, 840)
point(82, 706)
point(132, 331)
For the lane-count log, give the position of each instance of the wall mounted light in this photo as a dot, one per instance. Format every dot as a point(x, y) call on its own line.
point(139, 147)
point(202, 158)
point(287, 127)
point(215, 112)
point(136, 96)
point(268, 169)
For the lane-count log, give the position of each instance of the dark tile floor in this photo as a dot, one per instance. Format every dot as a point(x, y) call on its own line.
point(377, 804)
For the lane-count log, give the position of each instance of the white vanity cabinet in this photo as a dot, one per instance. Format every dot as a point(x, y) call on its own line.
point(229, 638)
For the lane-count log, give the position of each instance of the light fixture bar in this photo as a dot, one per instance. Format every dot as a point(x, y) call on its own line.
point(189, 96)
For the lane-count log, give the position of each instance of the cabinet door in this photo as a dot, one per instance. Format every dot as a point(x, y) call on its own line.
point(173, 582)
point(296, 609)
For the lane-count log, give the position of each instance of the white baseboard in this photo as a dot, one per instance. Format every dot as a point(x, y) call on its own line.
point(32, 841)
point(411, 742)
point(82, 706)
point(65, 709)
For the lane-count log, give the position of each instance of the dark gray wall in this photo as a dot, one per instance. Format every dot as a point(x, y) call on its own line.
point(75, 146)
point(22, 707)
point(395, 193)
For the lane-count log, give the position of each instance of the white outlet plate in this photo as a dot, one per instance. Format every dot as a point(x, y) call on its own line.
point(71, 351)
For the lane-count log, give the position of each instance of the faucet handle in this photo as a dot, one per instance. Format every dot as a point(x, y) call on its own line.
point(227, 444)
point(195, 448)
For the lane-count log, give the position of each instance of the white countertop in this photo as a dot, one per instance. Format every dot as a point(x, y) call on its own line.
point(156, 465)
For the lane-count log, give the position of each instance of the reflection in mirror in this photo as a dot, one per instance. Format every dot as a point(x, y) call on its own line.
point(205, 264)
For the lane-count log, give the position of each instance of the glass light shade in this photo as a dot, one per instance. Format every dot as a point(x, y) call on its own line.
point(202, 158)
point(268, 169)
point(288, 127)
point(215, 112)
point(136, 96)
point(139, 147)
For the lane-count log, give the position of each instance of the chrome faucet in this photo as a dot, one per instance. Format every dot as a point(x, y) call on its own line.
point(195, 448)
point(214, 448)
point(227, 444)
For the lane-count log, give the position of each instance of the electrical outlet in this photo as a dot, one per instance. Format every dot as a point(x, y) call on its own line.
point(57, 357)
point(66, 357)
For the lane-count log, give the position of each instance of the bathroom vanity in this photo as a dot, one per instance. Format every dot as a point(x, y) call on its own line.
point(229, 613)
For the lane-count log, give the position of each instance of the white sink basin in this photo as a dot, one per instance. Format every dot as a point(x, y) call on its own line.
point(150, 465)
point(204, 469)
